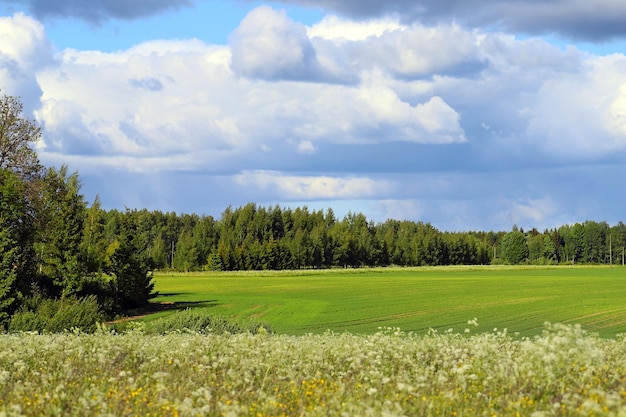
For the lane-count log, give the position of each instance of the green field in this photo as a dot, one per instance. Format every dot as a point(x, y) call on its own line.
point(520, 299)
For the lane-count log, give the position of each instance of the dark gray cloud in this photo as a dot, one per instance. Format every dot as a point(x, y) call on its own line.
point(596, 20)
point(98, 11)
point(584, 20)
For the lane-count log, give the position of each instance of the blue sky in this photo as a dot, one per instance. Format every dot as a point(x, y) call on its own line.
point(454, 113)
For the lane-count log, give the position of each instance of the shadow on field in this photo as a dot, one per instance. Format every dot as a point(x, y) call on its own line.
point(170, 294)
point(180, 305)
point(157, 307)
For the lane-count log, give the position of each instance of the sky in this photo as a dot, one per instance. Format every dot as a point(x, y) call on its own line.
point(466, 114)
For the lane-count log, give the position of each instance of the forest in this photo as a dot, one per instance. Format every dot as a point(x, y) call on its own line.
point(253, 237)
point(56, 246)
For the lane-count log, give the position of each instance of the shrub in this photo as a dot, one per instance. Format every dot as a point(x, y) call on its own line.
point(56, 315)
point(198, 321)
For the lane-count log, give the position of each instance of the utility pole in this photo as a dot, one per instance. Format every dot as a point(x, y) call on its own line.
point(610, 250)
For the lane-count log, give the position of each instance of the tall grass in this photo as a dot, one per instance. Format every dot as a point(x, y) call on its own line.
point(562, 372)
point(200, 321)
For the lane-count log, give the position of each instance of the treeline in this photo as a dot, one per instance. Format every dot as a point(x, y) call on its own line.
point(253, 237)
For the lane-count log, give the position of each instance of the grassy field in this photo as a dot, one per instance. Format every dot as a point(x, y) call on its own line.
point(520, 299)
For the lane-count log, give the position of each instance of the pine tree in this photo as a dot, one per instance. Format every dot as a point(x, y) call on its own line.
point(132, 282)
point(61, 223)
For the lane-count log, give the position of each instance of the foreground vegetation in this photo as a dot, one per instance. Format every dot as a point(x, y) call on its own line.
point(562, 372)
point(415, 300)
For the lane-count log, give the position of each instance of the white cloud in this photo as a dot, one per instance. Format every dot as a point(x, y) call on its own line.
point(529, 211)
point(394, 119)
point(306, 147)
point(617, 113)
point(165, 98)
point(269, 45)
point(99, 95)
point(338, 29)
point(371, 112)
point(173, 98)
point(294, 187)
point(419, 51)
point(582, 114)
point(24, 50)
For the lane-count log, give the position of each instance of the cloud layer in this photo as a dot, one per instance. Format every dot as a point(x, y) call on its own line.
point(442, 122)
point(577, 19)
point(98, 11)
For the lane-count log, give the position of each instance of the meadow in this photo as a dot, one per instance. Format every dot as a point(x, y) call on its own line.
point(361, 301)
point(562, 372)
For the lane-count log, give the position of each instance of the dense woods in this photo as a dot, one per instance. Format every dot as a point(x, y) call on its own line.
point(255, 237)
point(53, 245)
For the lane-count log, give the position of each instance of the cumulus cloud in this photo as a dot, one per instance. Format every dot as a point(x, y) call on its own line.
point(98, 11)
point(269, 45)
point(184, 96)
point(339, 29)
point(179, 98)
point(66, 131)
point(578, 19)
point(418, 51)
point(189, 98)
point(155, 99)
point(394, 119)
point(582, 113)
point(24, 51)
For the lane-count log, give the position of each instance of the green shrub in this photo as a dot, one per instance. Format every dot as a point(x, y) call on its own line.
point(56, 315)
point(27, 321)
point(198, 321)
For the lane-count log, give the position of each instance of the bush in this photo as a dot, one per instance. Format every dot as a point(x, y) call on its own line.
point(198, 321)
point(56, 315)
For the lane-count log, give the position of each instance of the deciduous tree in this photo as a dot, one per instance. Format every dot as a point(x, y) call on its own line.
point(514, 248)
point(18, 136)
